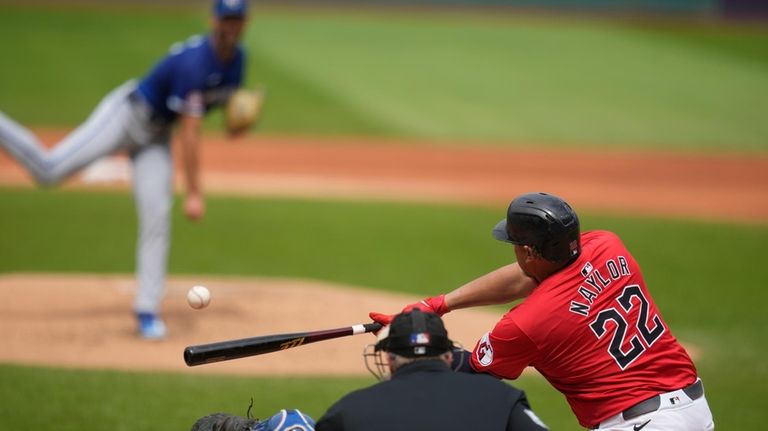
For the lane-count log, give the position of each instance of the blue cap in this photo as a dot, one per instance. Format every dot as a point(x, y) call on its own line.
point(230, 8)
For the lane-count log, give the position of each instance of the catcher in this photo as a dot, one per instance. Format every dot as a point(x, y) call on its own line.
point(284, 420)
point(139, 117)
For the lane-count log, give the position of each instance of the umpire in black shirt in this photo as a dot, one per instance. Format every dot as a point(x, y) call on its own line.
point(424, 393)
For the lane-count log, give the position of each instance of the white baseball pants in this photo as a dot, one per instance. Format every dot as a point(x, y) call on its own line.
point(117, 123)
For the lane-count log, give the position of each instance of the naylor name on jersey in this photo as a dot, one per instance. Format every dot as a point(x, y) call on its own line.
point(596, 280)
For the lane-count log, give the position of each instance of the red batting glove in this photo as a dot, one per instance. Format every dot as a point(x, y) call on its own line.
point(433, 304)
point(384, 319)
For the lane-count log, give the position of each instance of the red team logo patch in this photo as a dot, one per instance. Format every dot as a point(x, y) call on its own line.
point(484, 351)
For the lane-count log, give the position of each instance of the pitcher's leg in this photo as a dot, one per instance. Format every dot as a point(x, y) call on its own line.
point(153, 190)
point(24, 147)
point(105, 130)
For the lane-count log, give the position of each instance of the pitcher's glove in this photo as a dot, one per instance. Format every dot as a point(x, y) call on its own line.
point(224, 422)
point(243, 110)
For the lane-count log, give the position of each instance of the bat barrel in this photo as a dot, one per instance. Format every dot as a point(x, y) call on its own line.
point(235, 349)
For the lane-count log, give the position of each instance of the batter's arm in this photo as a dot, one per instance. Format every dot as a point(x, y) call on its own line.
point(500, 286)
point(189, 136)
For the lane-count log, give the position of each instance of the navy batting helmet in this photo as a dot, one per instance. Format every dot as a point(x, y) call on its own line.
point(544, 222)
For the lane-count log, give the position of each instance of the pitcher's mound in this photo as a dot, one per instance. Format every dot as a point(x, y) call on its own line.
point(86, 321)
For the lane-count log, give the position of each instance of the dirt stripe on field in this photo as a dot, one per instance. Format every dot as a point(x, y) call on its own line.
point(725, 187)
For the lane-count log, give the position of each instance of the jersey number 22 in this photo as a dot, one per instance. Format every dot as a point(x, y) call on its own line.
point(649, 335)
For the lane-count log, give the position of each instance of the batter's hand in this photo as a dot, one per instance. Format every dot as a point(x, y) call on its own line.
point(432, 304)
point(194, 206)
point(384, 319)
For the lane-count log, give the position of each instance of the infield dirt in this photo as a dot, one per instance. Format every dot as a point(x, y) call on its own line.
point(84, 320)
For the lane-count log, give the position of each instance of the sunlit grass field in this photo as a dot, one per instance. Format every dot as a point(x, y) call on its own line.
point(710, 298)
point(497, 79)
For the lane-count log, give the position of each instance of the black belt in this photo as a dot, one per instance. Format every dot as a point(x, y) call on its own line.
point(694, 392)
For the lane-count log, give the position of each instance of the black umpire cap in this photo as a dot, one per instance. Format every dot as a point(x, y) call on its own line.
point(415, 334)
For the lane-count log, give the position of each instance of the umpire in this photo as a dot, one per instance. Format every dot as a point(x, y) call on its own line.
point(424, 393)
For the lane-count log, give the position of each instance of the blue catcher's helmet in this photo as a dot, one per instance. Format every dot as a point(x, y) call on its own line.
point(286, 420)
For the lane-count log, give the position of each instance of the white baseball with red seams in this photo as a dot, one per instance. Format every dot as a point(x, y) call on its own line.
point(198, 297)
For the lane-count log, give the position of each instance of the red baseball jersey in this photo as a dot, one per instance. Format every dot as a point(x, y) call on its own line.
point(593, 330)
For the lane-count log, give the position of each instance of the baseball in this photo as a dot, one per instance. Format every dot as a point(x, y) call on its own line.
point(198, 297)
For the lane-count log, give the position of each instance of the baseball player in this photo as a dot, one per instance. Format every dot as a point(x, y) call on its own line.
point(138, 117)
point(588, 324)
point(423, 393)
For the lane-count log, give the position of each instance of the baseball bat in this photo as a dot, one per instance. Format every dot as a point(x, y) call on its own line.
point(235, 349)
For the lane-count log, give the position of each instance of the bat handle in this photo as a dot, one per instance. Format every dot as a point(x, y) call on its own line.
point(367, 327)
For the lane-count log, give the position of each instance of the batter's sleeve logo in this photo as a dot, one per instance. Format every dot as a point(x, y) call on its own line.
point(484, 351)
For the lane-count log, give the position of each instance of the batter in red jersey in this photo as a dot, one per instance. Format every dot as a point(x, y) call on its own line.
point(588, 324)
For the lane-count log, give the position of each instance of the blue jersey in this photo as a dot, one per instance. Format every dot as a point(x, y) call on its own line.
point(191, 80)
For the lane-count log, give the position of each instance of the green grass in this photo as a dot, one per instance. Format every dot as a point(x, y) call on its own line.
point(79, 400)
point(706, 278)
point(338, 241)
point(554, 81)
point(505, 79)
point(60, 87)
point(62, 62)
point(98, 400)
